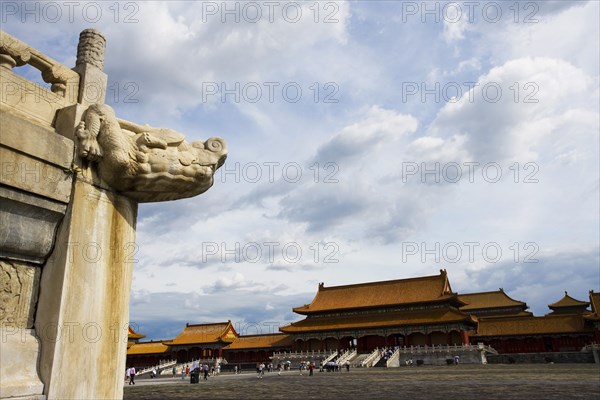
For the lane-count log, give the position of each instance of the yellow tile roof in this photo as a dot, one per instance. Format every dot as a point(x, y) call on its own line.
point(275, 340)
point(377, 294)
point(494, 299)
point(147, 348)
point(131, 334)
point(205, 333)
point(595, 302)
point(518, 326)
point(519, 314)
point(568, 301)
point(441, 315)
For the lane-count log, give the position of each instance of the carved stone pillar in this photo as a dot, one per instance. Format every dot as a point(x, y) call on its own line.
point(83, 313)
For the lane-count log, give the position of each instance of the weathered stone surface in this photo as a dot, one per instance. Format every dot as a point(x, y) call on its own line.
point(90, 49)
point(28, 225)
point(35, 140)
point(18, 364)
point(30, 100)
point(83, 308)
point(19, 293)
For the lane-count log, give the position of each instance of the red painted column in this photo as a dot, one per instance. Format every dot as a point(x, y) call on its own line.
point(465, 337)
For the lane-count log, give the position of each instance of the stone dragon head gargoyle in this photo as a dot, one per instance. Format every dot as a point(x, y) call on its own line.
point(145, 163)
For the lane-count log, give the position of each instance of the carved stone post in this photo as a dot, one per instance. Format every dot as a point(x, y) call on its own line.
point(83, 311)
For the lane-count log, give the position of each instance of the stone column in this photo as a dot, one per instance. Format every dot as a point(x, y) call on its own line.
point(83, 311)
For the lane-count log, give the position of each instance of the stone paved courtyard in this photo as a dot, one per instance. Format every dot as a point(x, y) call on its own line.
point(548, 381)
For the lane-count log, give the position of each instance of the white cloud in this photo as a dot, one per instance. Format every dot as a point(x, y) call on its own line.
point(515, 106)
point(369, 208)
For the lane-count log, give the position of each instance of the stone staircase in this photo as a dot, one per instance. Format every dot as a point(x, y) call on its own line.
point(393, 360)
point(349, 355)
point(159, 368)
point(440, 354)
point(372, 358)
point(359, 360)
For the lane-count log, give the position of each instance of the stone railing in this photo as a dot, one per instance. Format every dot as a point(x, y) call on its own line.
point(590, 347)
point(446, 348)
point(330, 357)
point(347, 356)
point(14, 53)
point(160, 367)
point(326, 354)
point(372, 359)
point(394, 358)
point(27, 97)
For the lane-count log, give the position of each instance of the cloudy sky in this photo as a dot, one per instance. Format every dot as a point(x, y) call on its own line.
point(368, 140)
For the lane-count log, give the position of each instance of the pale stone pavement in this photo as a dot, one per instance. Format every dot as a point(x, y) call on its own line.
point(556, 381)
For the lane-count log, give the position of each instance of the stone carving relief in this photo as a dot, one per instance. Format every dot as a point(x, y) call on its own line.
point(18, 294)
point(90, 49)
point(145, 163)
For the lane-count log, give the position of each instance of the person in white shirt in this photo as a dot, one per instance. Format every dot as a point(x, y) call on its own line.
point(131, 375)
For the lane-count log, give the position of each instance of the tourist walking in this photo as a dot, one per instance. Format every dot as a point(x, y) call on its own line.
point(205, 372)
point(132, 375)
point(261, 370)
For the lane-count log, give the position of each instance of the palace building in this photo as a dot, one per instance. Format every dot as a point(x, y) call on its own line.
point(202, 341)
point(256, 348)
point(403, 313)
point(133, 337)
point(568, 327)
point(493, 304)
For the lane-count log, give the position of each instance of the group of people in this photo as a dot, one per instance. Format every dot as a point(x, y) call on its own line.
point(387, 352)
point(332, 366)
point(200, 369)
